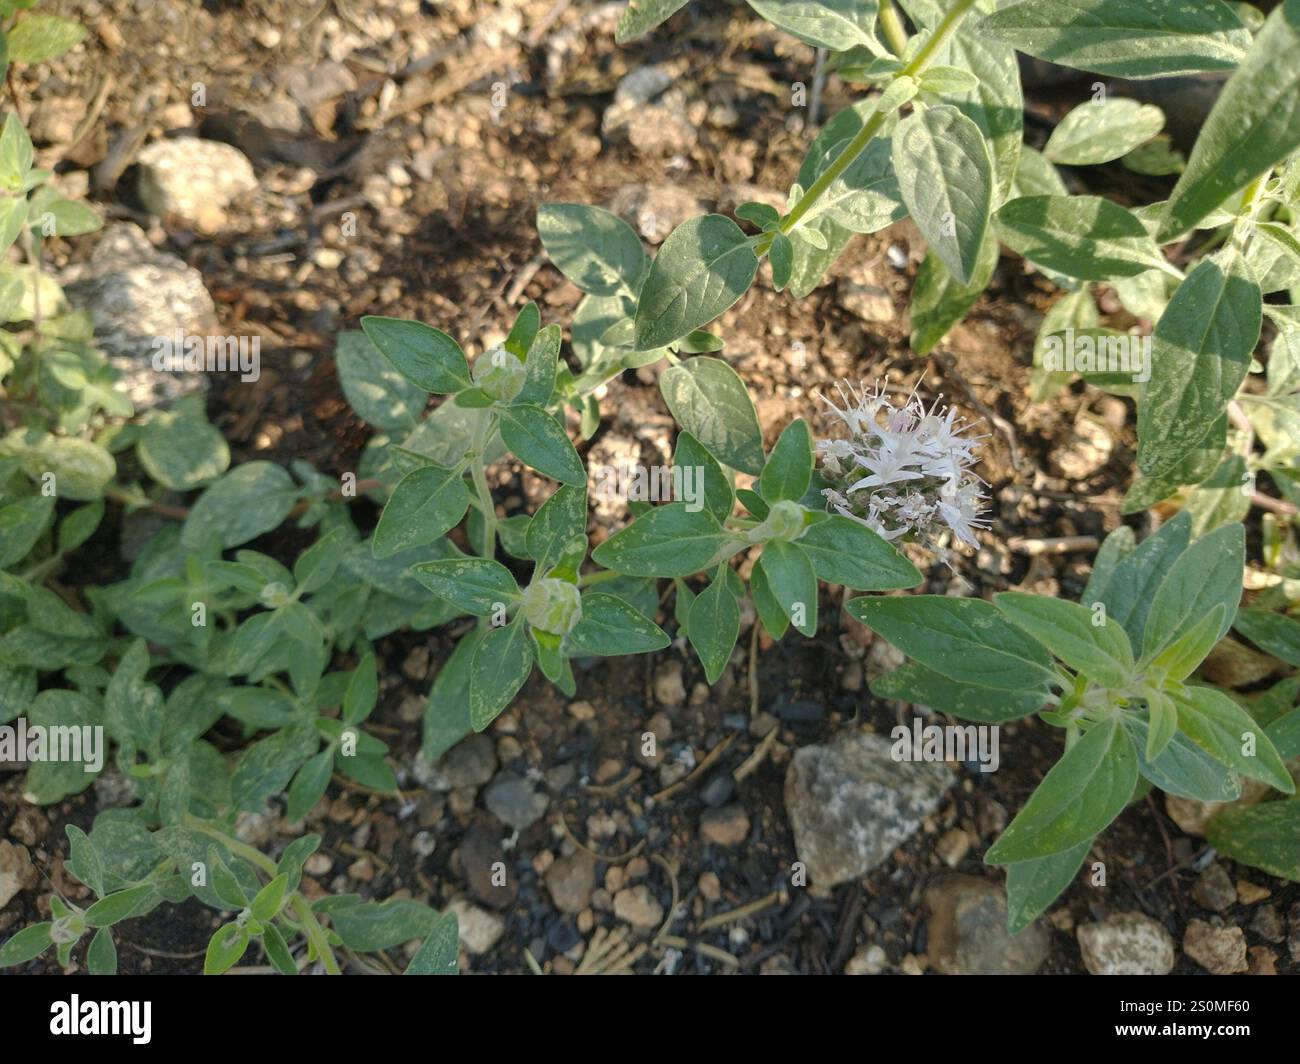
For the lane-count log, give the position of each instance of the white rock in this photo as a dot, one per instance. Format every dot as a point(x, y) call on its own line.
point(192, 181)
point(1126, 944)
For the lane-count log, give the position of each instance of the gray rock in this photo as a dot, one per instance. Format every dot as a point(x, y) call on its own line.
point(850, 804)
point(654, 211)
point(1213, 889)
point(136, 295)
point(643, 84)
point(192, 181)
point(1126, 944)
point(17, 873)
point(470, 763)
point(967, 931)
point(515, 801)
point(570, 881)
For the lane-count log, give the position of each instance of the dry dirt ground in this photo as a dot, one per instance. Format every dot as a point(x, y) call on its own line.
point(389, 107)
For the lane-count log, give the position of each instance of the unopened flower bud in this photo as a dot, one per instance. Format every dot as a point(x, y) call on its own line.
point(552, 605)
point(499, 373)
point(784, 521)
point(274, 595)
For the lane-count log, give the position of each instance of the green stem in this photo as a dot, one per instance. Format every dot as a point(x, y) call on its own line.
point(871, 126)
point(482, 433)
point(892, 26)
point(598, 577)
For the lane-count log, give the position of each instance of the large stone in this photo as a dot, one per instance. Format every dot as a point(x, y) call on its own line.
point(137, 295)
point(191, 181)
point(470, 763)
point(1126, 944)
point(850, 804)
point(967, 932)
point(17, 873)
point(480, 930)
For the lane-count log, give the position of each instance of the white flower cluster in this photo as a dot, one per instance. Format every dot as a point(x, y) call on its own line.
point(903, 471)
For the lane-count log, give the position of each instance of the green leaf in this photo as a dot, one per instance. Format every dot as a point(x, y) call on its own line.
point(268, 901)
point(122, 905)
point(1254, 124)
point(1086, 237)
point(1081, 794)
point(1272, 632)
point(1101, 130)
point(1182, 655)
point(835, 24)
point(277, 951)
point(1123, 38)
point(1284, 734)
point(710, 401)
point(265, 768)
point(474, 585)
point(15, 153)
point(1099, 651)
point(704, 266)
point(1033, 885)
point(362, 691)
point(309, 784)
point(1206, 575)
point(788, 470)
point(30, 942)
point(1182, 768)
point(940, 301)
point(963, 639)
point(40, 38)
point(501, 665)
point(317, 565)
point(793, 584)
point(945, 174)
point(641, 16)
point(558, 531)
point(921, 686)
point(370, 925)
point(132, 707)
point(426, 357)
point(21, 525)
point(1223, 729)
point(81, 468)
point(50, 781)
point(379, 394)
point(1262, 836)
point(538, 440)
point(226, 946)
point(1137, 576)
point(769, 610)
point(1200, 355)
point(666, 541)
point(540, 367)
point(1035, 176)
point(596, 250)
point(701, 472)
point(610, 626)
point(440, 952)
point(181, 450)
point(426, 504)
point(446, 717)
point(713, 625)
point(781, 255)
point(252, 499)
point(101, 954)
